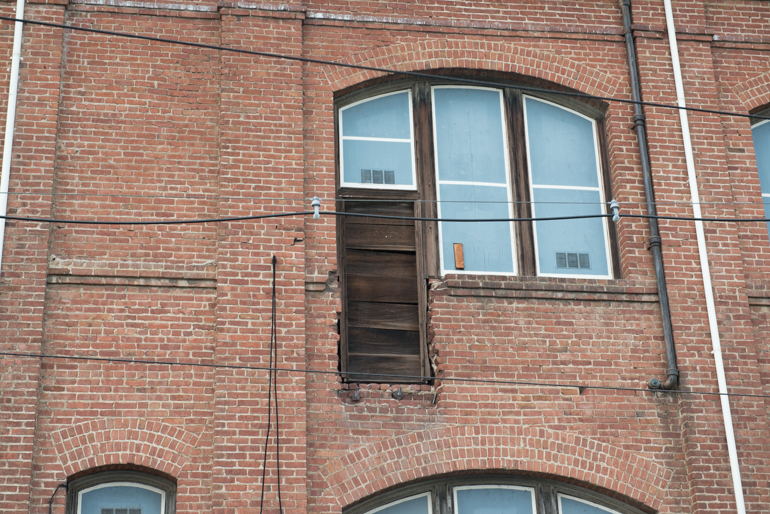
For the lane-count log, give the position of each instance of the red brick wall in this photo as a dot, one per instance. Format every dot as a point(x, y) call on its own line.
point(123, 129)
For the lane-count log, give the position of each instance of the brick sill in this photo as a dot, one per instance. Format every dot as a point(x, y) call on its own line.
point(545, 288)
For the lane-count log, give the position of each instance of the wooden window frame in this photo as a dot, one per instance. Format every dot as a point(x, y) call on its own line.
point(546, 494)
point(126, 476)
point(425, 196)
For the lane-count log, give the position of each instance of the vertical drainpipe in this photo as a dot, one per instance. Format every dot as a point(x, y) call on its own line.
point(10, 122)
point(672, 372)
point(704, 264)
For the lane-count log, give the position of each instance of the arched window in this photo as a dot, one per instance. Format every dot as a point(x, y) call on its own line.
point(492, 495)
point(761, 134)
point(438, 150)
point(121, 492)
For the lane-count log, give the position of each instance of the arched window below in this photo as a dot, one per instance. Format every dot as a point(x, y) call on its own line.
point(121, 492)
point(492, 495)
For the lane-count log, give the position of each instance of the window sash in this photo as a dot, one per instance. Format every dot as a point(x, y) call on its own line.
point(83, 492)
point(445, 208)
point(761, 131)
point(346, 179)
point(566, 225)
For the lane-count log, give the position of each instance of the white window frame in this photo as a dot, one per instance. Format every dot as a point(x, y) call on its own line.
point(559, 496)
point(600, 189)
point(506, 151)
point(762, 193)
point(122, 484)
point(343, 138)
point(531, 490)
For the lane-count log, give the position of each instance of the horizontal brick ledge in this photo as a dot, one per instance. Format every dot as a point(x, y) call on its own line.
point(133, 281)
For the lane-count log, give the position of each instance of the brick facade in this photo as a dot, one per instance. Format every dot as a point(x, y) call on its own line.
point(117, 129)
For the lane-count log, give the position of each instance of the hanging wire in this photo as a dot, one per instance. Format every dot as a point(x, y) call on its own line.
point(416, 74)
point(395, 377)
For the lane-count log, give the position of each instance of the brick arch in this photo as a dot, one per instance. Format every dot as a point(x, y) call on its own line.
point(474, 54)
point(102, 442)
point(431, 452)
point(754, 92)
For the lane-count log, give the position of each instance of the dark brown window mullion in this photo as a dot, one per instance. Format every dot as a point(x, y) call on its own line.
point(608, 195)
point(426, 232)
point(525, 239)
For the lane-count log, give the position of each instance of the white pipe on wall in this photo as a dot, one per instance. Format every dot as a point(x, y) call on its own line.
point(10, 122)
point(704, 265)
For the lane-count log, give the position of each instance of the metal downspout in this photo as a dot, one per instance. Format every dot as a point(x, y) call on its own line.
point(655, 241)
point(10, 122)
point(716, 344)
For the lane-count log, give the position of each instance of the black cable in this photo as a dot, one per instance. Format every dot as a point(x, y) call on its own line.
point(363, 215)
point(415, 74)
point(274, 349)
point(50, 501)
point(416, 378)
point(269, 400)
point(362, 200)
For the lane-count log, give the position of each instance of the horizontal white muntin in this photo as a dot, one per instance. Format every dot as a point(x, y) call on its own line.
point(461, 183)
point(378, 139)
point(571, 188)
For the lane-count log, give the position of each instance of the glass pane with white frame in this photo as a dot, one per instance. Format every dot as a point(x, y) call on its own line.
point(761, 133)
point(569, 505)
point(419, 504)
point(472, 173)
point(570, 247)
point(377, 144)
point(119, 498)
point(476, 202)
point(494, 500)
point(565, 180)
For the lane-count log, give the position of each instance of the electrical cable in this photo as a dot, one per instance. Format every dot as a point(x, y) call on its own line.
point(415, 378)
point(381, 216)
point(365, 200)
point(416, 74)
point(274, 349)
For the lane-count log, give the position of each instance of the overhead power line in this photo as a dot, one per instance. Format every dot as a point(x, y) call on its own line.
point(416, 378)
point(363, 215)
point(358, 200)
point(415, 74)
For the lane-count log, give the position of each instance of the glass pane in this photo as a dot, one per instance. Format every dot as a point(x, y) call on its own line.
point(570, 247)
point(418, 505)
point(376, 162)
point(469, 135)
point(561, 146)
point(494, 501)
point(386, 116)
point(121, 498)
point(486, 246)
point(762, 149)
point(571, 506)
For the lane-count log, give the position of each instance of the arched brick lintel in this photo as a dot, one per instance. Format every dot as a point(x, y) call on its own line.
point(753, 93)
point(432, 452)
point(474, 54)
point(104, 442)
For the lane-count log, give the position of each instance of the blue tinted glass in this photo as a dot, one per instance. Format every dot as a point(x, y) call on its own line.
point(469, 135)
point(762, 149)
point(414, 506)
point(581, 236)
point(570, 506)
point(120, 497)
point(387, 117)
point(378, 156)
point(494, 501)
point(561, 146)
point(486, 246)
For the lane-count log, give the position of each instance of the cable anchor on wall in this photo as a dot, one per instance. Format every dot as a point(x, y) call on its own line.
point(615, 208)
point(316, 204)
